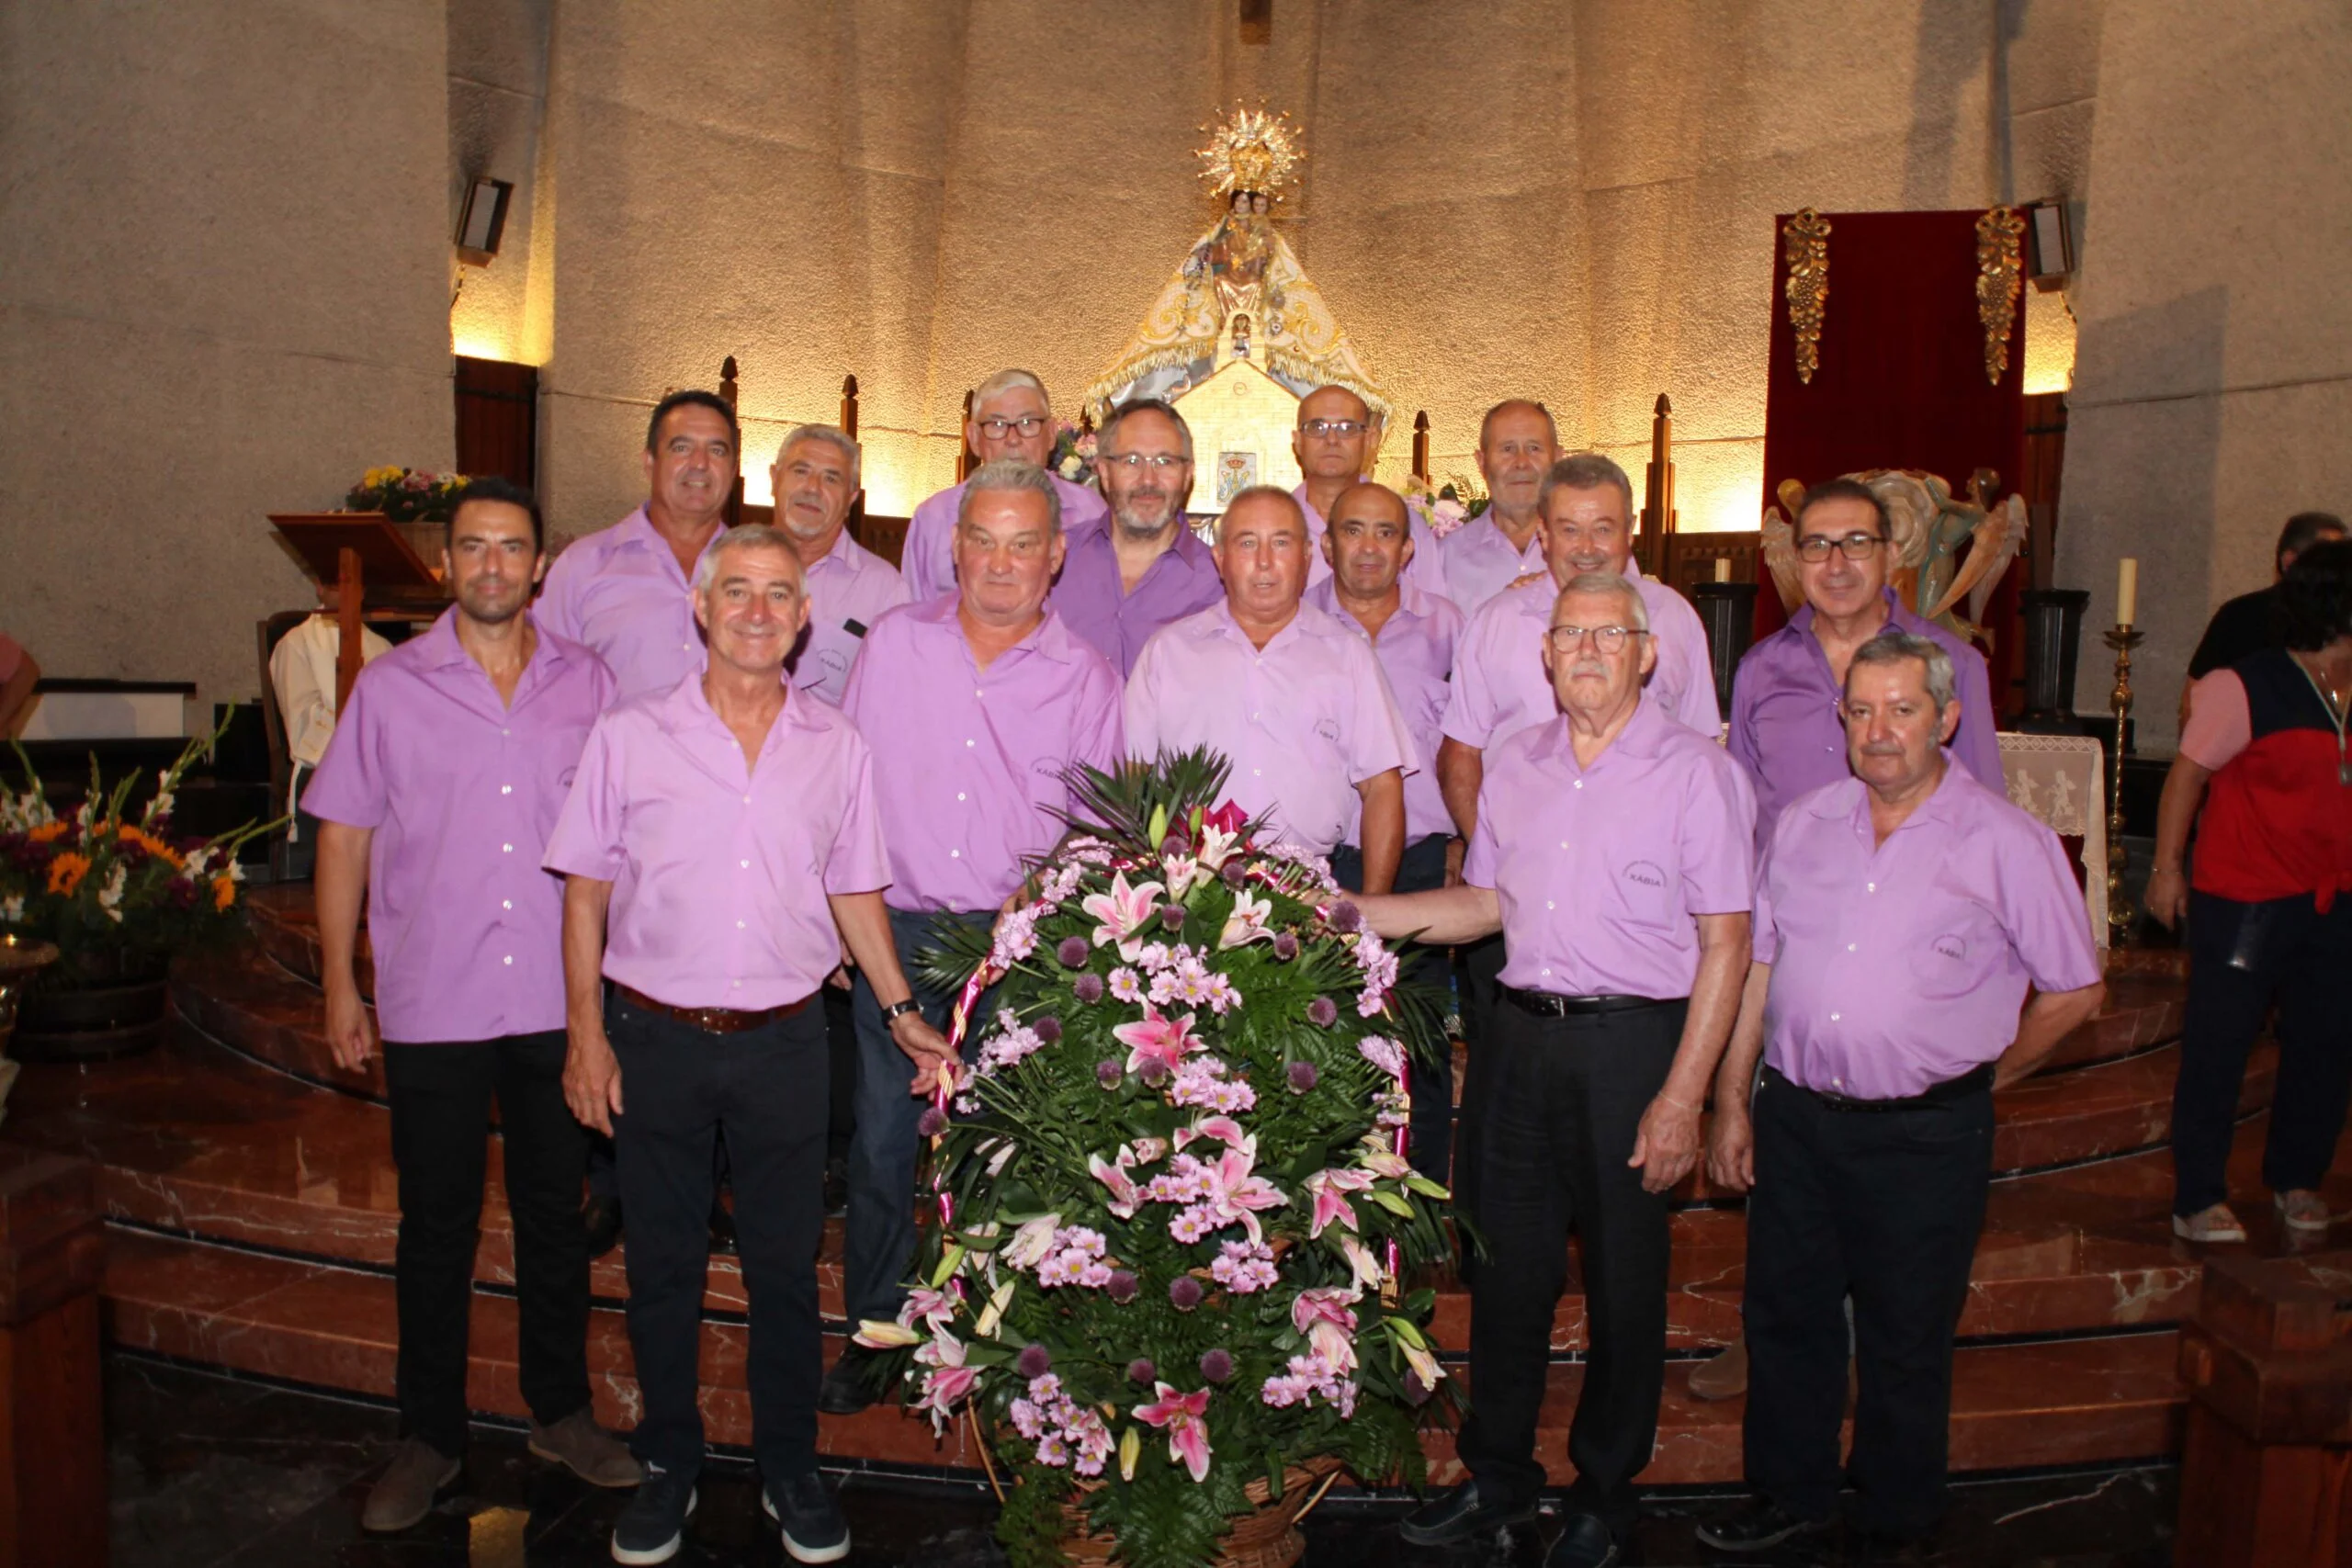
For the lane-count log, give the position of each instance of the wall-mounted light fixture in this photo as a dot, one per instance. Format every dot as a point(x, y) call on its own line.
point(484, 222)
point(2050, 236)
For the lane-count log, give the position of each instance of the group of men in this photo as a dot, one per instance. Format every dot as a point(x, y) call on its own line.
point(616, 844)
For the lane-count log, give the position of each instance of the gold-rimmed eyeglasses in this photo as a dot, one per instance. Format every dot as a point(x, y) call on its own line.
point(1608, 639)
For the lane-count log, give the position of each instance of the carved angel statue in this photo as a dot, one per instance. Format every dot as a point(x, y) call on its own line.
point(1926, 565)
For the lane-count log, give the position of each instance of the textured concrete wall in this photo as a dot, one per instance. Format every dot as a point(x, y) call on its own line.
point(223, 293)
point(2214, 379)
point(498, 58)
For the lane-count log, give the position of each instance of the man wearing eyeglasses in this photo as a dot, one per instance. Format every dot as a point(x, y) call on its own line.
point(1336, 443)
point(1012, 421)
point(1614, 852)
point(1133, 573)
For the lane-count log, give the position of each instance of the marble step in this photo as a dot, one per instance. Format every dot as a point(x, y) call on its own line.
point(2071, 1402)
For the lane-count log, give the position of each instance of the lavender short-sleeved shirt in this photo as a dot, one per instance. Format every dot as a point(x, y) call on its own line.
point(1500, 686)
point(1897, 966)
point(849, 589)
point(1416, 652)
point(721, 872)
point(1302, 720)
point(1786, 729)
point(1480, 562)
point(618, 592)
point(969, 764)
point(929, 558)
point(1091, 602)
point(1602, 871)
point(1426, 570)
point(462, 791)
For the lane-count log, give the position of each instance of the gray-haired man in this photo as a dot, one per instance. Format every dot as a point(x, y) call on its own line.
point(1012, 421)
point(816, 481)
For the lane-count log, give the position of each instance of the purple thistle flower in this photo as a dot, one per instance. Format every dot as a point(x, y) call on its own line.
point(1049, 1029)
point(1172, 916)
point(1322, 1013)
point(1346, 917)
point(1302, 1077)
point(1415, 1391)
point(1141, 1370)
point(933, 1122)
point(1108, 1073)
point(1233, 873)
point(1155, 1073)
point(1217, 1365)
point(1122, 1286)
point(1185, 1293)
point(1286, 946)
point(1072, 952)
point(1088, 988)
point(1176, 843)
point(1035, 1360)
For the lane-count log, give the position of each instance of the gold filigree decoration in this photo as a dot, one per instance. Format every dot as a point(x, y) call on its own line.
point(2000, 236)
point(1252, 151)
point(1804, 242)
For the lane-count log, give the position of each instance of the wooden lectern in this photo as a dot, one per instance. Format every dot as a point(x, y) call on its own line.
point(370, 562)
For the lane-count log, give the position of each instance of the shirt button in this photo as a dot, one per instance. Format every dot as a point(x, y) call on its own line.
point(747, 800)
point(1580, 783)
point(979, 692)
point(954, 854)
point(738, 925)
point(970, 743)
point(506, 789)
point(506, 903)
point(1549, 904)
point(747, 866)
point(510, 958)
point(1849, 947)
point(505, 732)
point(506, 849)
point(959, 794)
point(1872, 888)
point(1257, 772)
point(1833, 1018)
point(737, 984)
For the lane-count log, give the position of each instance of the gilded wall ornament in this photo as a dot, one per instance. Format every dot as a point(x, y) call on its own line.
point(2000, 234)
point(1804, 242)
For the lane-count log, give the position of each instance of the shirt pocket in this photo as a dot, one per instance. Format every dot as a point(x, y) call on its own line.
point(1642, 891)
point(1952, 948)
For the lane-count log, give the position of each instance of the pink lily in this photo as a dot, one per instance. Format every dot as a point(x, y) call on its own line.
point(1388, 1163)
point(1124, 1194)
point(1153, 1037)
point(1233, 1194)
point(1330, 1190)
point(1148, 1149)
point(1032, 1242)
point(933, 1309)
point(1364, 1266)
point(1422, 1360)
point(1247, 922)
point(949, 1379)
point(1326, 1317)
point(876, 1335)
point(1124, 911)
point(1184, 873)
point(1224, 1129)
point(1186, 1417)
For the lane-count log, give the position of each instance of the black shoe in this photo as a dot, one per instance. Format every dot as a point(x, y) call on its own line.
point(814, 1530)
point(651, 1528)
point(602, 1218)
point(1760, 1527)
point(722, 1227)
point(849, 1385)
point(1462, 1513)
point(1586, 1543)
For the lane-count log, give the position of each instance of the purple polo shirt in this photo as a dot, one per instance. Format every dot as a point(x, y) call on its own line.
point(849, 588)
point(1900, 966)
point(721, 872)
point(1426, 570)
point(1091, 602)
point(1416, 652)
point(462, 791)
point(1480, 562)
point(619, 594)
point(929, 558)
point(1499, 686)
point(968, 763)
point(1302, 720)
point(1603, 870)
point(1785, 726)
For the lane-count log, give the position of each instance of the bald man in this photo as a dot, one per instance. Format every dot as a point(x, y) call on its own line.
point(1337, 443)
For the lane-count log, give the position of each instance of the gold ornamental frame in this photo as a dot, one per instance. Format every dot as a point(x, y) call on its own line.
point(2000, 235)
point(1804, 242)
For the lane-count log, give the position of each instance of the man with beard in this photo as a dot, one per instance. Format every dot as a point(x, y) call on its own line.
point(434, 799)
point(817, 482)
point(1011, 421)
point(1131, 574)
point(1335, 444)
point(1518, 444)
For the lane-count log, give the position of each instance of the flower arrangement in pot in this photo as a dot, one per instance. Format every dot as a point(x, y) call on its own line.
point(406, 495)
point(1174, 1218)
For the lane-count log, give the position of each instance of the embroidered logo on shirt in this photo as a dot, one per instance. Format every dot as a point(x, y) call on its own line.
point(1647, 874)
point(1328, 728)
point(1950, 946)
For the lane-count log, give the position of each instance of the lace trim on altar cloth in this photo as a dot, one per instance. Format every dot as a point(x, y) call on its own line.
point(2061, 779)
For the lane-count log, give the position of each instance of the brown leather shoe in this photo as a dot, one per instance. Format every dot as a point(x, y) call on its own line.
point(404, 1493)
point(587, 1451)
point(1724, 1376)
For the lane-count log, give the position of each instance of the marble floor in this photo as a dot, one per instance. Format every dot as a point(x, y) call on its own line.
point(211, 1470)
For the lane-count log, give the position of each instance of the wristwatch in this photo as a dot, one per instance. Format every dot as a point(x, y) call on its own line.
point(897, 1011)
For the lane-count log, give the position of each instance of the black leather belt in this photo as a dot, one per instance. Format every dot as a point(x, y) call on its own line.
point(1551, 1004)
point(1961, 1087)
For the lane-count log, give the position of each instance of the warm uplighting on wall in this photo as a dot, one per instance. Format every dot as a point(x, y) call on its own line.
point(2048, 342)
point(479, 345)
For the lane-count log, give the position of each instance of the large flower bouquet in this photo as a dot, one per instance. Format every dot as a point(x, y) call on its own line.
point(406, 495)
point(117, 894)
point(1073, 454)
point(1447, 507)
point(1174, 1218)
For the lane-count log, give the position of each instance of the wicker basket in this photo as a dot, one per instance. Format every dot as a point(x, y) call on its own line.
point(1267, 1539)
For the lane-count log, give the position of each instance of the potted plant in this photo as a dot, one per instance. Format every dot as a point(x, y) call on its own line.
point(118, 896)
point(1166, 1275)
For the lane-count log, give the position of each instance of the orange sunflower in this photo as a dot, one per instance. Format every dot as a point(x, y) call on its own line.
point(66, 871)
point(47, 832)
point(224, 892)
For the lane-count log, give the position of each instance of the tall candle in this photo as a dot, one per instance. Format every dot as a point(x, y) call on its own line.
point(2127, 591)
point(1722, 569)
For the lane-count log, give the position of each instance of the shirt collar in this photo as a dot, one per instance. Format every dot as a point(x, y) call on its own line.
point(842, 554)
point(1897, 618)
point(1413, 604)
point(1051, 638)
point(688, 707)
point(1310, 621)
point(437, 646)
point(1850, 798)
point(1645, 735)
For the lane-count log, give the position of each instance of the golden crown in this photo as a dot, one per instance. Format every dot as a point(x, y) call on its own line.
point(1252, 151)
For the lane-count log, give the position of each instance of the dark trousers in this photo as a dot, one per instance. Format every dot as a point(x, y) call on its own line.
point(878, 1240)
point(765, 1091)
point(1430, 1139)
point(1567, 1098)
point(2243, 957)
point(1884, 1206)
point(1478, 967)
point(441, 1097)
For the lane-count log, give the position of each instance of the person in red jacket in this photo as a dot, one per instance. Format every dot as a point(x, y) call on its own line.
point(2265, 752)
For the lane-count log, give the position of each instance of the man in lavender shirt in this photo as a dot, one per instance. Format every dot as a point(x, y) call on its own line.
point(434, 799)
point(1126, 578)
point(721, 849)
point(1294, 700)
point(1367, 546)
point(1613, 850)
point(1336, 443)
point(1900, 916)
point(1518, 444)
point(977, 705)
point(817, 482)
point(1011, 422)
point(622, 592)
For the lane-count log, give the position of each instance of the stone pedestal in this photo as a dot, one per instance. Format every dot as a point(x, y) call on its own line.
point(52, 1439)
point(2267, 1357)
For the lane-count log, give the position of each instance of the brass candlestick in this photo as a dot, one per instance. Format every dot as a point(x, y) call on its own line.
point(2121, 914)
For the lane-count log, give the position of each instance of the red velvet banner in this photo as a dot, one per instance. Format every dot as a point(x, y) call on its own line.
point(1901, 383)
